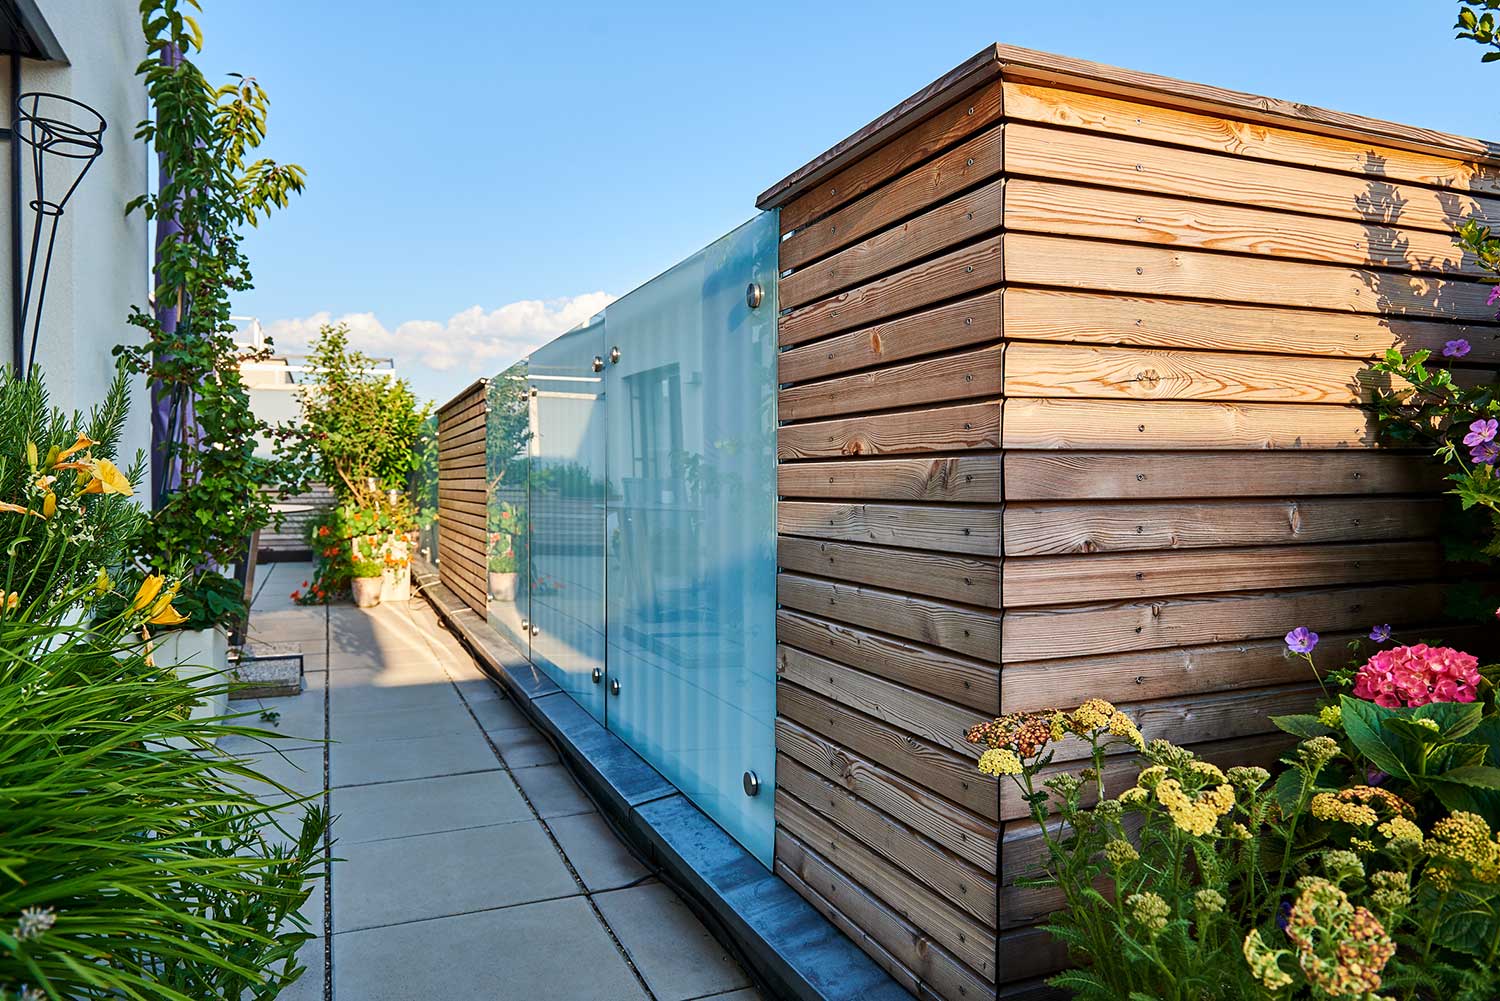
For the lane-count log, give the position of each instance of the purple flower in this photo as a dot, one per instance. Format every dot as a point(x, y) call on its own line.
point(1301, 640)
point(1485, 453)
point(1374, 776)
point(1481, 431)
point(1382, 633)
point(1456, 348)
point(1494, 295)
point(1284, 914)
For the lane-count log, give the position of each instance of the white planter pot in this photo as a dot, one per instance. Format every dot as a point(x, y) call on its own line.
point(395, 584)
point(200, 656)
point(503, 586)
point(366, 591)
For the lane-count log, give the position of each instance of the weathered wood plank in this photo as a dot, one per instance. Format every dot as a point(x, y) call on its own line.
point(942, 129)
point(971, 162)
point(1219, 133)
point(1033, 314)
point(939, 771)
point(941, 379)
point(970, 631)
point(954, 878)
point(1183, 424)
point(1058, 529)
point(1146, 625)
point(960, 933)
point(965, 217)
point(1034, 151)
point(956, 325)
point(1083, 475)
point(905, 432)
point(971, 683)
point(958, 272)
point(1136, 217)
point(1029, 952)
point(942, 528)
point(971, 580)
point(971, 479)
point(1135, 269)
point(1078, 371)
point(967, 835)
point(934, 719)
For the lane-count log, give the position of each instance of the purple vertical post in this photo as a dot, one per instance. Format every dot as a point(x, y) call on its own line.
point(171, 404)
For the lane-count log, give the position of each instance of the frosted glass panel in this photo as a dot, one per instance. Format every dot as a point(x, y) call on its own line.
point(691, 527)
point(568, 489)
point(507, 437)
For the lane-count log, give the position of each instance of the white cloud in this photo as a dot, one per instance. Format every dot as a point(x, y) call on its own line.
point(472, 339)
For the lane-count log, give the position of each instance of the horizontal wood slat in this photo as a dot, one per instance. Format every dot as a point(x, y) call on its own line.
point(931, 380)
point(950, 528)
point(1183, 424)
point(971, 580)
point(964, 479)
point(941, 429)
point(969, 631)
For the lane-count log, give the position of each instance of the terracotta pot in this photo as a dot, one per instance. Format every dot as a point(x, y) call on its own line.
point(366, 591)
point(503, 586)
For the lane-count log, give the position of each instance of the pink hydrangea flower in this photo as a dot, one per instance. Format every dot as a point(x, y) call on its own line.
point(1416, 675)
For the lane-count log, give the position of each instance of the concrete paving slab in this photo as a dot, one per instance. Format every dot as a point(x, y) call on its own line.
point(499, 714)
point(309, 986)
point(552, 791)
point(412, 758)
point(553, 951)
point(669, 946)
point(298, 722)
point(404, 723)
point(523, 747)
point(453, 872)
point(600, 859)
point(426, 806)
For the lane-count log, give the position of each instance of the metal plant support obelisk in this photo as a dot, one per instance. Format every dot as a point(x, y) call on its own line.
point(63, 134)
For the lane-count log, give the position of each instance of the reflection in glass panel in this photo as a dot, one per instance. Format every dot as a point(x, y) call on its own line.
point(507, 440)
point(568, 490)
point(692, 561)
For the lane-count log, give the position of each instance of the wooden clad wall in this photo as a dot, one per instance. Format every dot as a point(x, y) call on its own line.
point(1074, 403)
point(461, 496)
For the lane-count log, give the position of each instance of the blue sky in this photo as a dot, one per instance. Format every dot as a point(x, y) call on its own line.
point(484, 174)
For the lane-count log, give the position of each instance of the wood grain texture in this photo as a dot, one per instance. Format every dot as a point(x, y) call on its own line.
point(947, 276)
point(941, 772)
point(1033, 314)
point(1181, 424)
point(962, 629)
point(1086, 475)
point(971, 479)
point(1223, 133)
point(971, 683)
point(915, 960)
point(956, 325)
point(940, 429)
point(973, 161)
point(1076, 371)
point(1135, 269)
point(953, 877)
point(1121, 627)
point(942, 379)
point(956, 931)
point(942, 528)
point(1059, 529)
point(960, 220)
point(938, 130)
point(1053, 154)
point(1137, 217)
point(967, 579)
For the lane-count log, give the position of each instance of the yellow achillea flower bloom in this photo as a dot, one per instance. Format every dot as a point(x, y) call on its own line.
point(1327, 806)
point(1195, 815)
point(1264, 962)
point(1133, 796)
point(1465, 838)
point(1150, 911)
point(1341, 948)
point(999, 761)
point(1401, 832)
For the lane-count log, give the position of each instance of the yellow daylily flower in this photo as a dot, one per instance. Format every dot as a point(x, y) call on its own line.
point(166, 615)
point(31, 454)
point(82, 443)
point(102, 583)
point(158, 603)
point(49, 504)
point(17, 509)
point(149, 589)
point(107, 479)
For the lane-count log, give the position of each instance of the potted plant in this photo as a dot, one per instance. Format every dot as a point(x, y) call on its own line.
point(503, 574)
point(366, 582)
point(396, 577)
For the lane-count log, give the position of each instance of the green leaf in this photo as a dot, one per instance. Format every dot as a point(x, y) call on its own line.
point(1302, 725)
point(1386, 751)
point(1454, 719)
point(1473, 776)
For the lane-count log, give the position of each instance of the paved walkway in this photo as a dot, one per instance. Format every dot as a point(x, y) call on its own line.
point(472, 865)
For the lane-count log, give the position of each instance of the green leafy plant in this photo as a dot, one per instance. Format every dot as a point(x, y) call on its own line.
point(210, 490)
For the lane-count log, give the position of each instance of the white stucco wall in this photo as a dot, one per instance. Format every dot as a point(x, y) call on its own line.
point(101, 266)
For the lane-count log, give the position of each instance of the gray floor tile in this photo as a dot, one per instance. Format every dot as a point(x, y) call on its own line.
point(553, 951)
point(299, 770)
point(368, 692)
point(309, 986)
point(480, 689)
point(413, 758)
point(298, 721)
point(748, 994)
point(552, 791)
point(499, 714)
point(455, 872)
point(671, 948)
point(404, 723)
point(599, 857)
point(426, 806)
point(524, 747)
